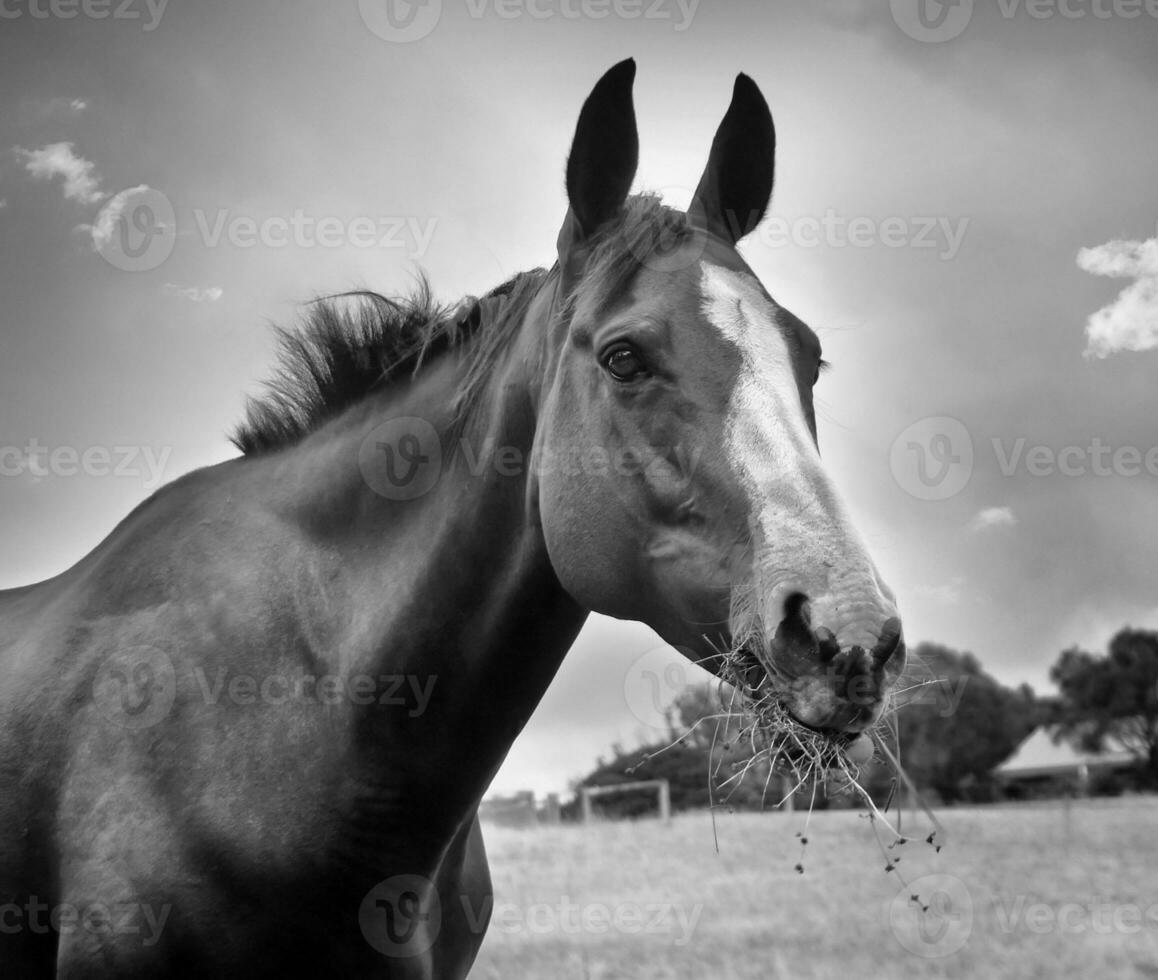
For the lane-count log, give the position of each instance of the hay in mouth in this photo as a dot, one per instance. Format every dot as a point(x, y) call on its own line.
point(766, 740)
point(774, 742)
point(757, 717)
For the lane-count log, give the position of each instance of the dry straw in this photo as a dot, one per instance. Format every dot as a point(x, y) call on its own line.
point(756, 736)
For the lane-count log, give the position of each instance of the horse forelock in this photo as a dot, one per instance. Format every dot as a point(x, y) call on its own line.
point(644, 228)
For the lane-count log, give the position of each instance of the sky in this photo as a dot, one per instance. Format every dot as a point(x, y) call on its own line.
point(966, 210)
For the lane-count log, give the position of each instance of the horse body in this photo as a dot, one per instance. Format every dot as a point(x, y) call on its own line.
point(254, 725)
point(279, 815)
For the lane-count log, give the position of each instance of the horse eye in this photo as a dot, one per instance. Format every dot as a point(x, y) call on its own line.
point(624, 364)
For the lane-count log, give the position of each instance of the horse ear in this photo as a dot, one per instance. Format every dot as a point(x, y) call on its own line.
point(603, 158)
point(734, 191)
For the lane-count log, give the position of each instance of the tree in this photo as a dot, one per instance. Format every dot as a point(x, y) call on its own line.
point(684, 767)
point(700, 752)
point(955, 722)
point(1113, 698)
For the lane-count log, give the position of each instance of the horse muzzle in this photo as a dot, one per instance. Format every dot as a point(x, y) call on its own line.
point(825, 687)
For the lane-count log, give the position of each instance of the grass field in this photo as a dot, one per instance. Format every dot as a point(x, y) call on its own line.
point(1026, 891)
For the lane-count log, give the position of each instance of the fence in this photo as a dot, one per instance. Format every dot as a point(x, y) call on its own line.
point(661, 786)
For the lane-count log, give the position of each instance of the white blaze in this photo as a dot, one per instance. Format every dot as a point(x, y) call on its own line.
point(803, 539)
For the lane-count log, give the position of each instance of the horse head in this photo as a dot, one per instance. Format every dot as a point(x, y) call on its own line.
point(693, 497)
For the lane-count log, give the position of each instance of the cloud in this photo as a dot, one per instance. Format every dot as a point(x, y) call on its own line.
point(3, 203)
point(60, 160)
point(948, 593)
point(106, 221)
point(1130, 323)
point(59, 107)
point(207, 294)
point(992, 517)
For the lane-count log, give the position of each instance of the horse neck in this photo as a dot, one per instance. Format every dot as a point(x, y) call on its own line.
point(452, 589)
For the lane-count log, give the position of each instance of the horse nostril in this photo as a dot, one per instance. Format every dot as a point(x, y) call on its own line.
point(794, 645)
point(797, 607)
point(888, 643)
point(827, 645)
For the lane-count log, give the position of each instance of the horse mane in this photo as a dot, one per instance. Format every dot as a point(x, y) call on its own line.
point(354, 343)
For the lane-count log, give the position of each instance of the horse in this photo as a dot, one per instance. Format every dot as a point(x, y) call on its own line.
point(248, 734)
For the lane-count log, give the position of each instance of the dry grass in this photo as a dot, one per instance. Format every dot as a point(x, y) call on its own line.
point(755, 736)
point(754, 716)
point(1031, 873)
